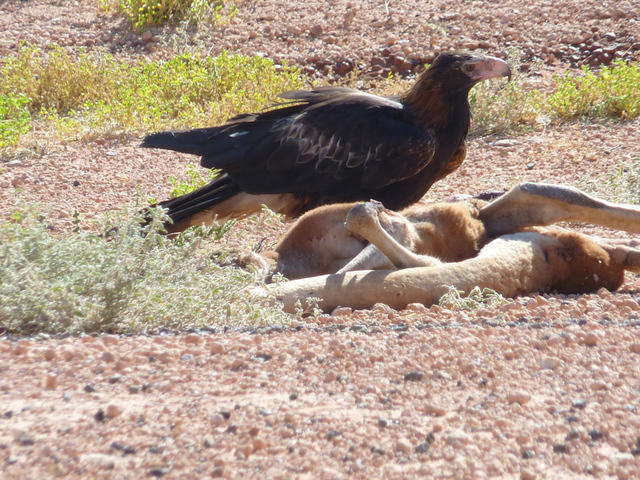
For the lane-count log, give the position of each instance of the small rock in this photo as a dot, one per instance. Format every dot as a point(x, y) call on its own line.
point(125, 449)
point(385, 422)
point(115, 378)
point(549, 363)
point(591, 339)
point(217, 420)
point(434, 410)
point(413, 376)
point(99, 415)
point(528, 453)
point(216, 348)
point(89, 388)
point(217, 472)
point(341, 312)
point(100, 460)
point(572, 435)
point(208, 441)
point(579, 403)
point(316, 30)
point(113, 411)
point(527, 475)
point(49, 354)
point(108, 356)
point(597, 385)
point(133, 389)
point(147, 36)
point(158, 472)
point(51, 382)
point(560, 448)
point(331, 434)
point(258, 444)
point(456, 437)
point(518, 396)
point(635, 347)
point(403, 445)
point(595, 435)
point(25, 440)
point(506, 142)
point(193, 339)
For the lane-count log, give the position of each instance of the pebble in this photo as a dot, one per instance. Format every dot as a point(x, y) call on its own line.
point(51, 382)
point(549, 363)
point(113, 411)
point(434, 410)
point(108, 356)
point(413, 376)
point(526, 474)
point(456, 437)
point(403, 445)
point(590, 339)
point(518, 396)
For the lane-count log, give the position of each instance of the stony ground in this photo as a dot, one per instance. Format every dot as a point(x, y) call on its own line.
point(545, 387)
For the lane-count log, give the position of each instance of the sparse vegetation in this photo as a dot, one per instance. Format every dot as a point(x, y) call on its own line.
point(455, 299)
point(143, 14)
point(498, 108)
point(14, 118)
point(611, 92)
point(194, 181)
point(138, 281)
point(622, 186)
point(95, 94)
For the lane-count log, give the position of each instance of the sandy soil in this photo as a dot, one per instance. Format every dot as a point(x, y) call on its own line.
point(545, 387)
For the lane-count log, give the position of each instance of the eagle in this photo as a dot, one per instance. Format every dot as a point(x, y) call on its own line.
point(332, 145)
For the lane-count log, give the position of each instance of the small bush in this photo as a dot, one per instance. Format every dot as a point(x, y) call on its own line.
point(612, 92)
point(15, 119)
point(143, 14)
point(138, 281)
point(454, 299)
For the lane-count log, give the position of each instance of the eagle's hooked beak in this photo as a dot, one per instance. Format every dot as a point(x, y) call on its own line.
point(487, 67)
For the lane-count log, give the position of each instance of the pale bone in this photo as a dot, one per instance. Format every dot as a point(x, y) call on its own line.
point(514, 263)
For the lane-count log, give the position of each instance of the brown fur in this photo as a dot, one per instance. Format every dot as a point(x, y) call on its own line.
point(449, 244)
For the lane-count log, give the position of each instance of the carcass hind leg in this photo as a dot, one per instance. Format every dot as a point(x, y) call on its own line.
point(531, 204)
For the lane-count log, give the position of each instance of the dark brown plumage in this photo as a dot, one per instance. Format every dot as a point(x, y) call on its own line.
point(333, 145)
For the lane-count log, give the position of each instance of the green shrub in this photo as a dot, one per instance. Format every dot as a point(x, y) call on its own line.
point(612, 92)
point(138, 281)
point(14, 118)
point(143, 14)
point(194, 181)
point(96, 94)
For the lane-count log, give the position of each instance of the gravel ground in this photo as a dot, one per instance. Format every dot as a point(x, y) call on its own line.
point(544, 387)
